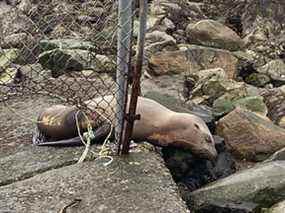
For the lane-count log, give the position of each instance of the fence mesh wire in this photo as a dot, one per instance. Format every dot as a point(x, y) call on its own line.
point(65, 51)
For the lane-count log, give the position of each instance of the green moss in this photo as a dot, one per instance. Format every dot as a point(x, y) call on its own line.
point(257, 79)
point(7, 57)
point(227, 103)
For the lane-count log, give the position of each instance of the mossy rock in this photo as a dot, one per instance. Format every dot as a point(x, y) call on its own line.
point(224, 105)
point(65, 60)
point(263, 185)
point(46, 45)
point(257, 79)
point(7, 57)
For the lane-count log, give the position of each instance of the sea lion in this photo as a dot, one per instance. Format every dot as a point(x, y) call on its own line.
point(157, 125)
point(163, 127)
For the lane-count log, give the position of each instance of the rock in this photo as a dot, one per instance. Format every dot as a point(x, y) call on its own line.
point(213, 34)
point(192, 58)
point(227, 103)
point(4, 7)
point(190, 173)
point(164, 25)
point(193, 172)
point(177, 105)
point(191, 82)
point(247, 64)
point(169, 62)
point(240, 207)
point(63, 60)
point(208, 73)
point(76, 82)
point(179, 12)
point(180, 37)
point(275, 102)
point(277, 208)
point(281, 122)
point(157, 41)
point(155, 23)
point(262, 185)
point(210, 86)
point(263, 26)
point(25, 6)
point(14, 22)
point(279, 155)
point(17, 40)
point(8, 76)
point(35, 72)
point(275, 69)
point(250, 136)
point(257, 79)
point(7, 57)
point(165, 85)
point(46, 45)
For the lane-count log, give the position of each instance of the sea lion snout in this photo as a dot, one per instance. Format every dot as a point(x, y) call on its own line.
point(209, 150)
point(201, 138)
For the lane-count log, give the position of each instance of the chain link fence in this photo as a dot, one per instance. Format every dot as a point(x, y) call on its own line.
point(63, 52)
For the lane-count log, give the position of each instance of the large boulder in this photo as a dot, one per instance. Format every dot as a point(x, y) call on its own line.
point(228, 102)
point(213, 34)
point(213, 84)
point(157, 41)
point(262, 185)
point(192, 58)
point(46, 45)
point(64, 60)
point(250, 136)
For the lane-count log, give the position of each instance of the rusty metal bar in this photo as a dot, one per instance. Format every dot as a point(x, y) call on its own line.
point(131, 116)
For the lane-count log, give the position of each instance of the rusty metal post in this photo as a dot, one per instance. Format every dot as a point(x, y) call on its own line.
point(131, 116)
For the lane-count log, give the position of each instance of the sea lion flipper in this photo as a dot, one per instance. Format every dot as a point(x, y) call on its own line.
point(102, 132)
point(99, 134)
point(76, 141)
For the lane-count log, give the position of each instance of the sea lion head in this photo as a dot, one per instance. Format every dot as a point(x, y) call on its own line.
point(192, 133)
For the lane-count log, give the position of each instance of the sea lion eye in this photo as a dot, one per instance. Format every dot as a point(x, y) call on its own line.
point(196, 126)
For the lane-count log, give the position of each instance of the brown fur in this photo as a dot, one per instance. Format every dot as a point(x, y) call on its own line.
point(58, 122)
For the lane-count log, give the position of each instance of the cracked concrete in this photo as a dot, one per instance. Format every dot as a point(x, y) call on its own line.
point(47, 179)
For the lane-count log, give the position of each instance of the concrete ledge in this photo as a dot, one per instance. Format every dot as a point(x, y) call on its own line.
point(138, 183)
